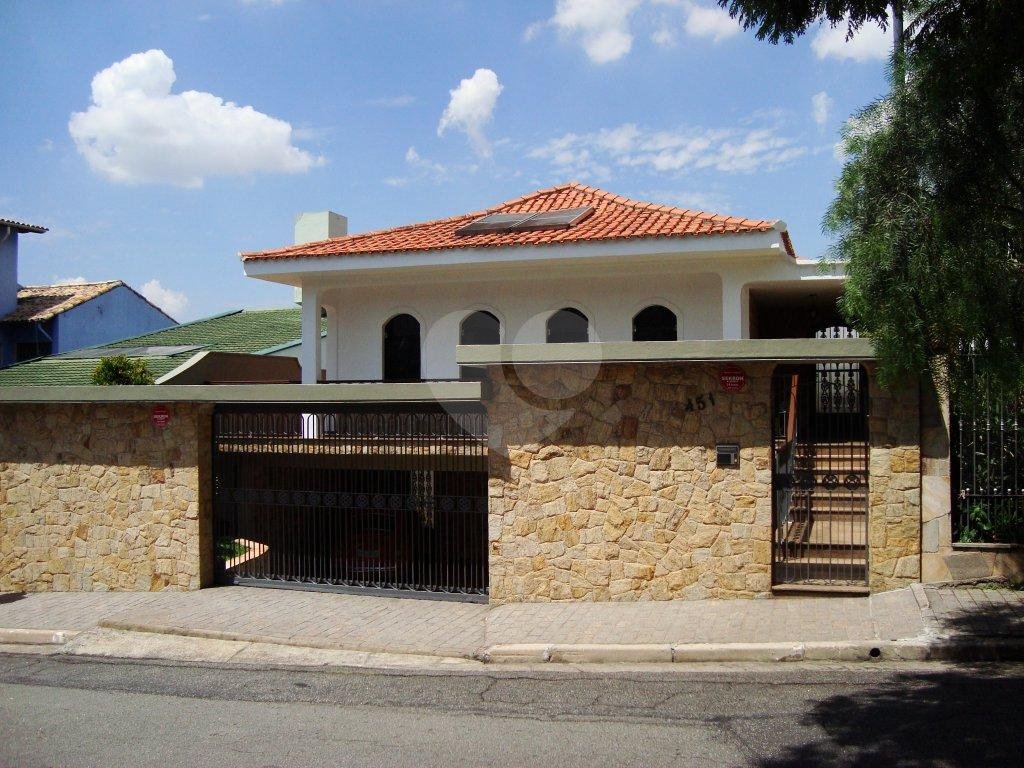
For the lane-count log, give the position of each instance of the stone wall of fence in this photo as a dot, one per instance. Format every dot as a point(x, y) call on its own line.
point(604, 484)
point(97, 497)
point(894, 491)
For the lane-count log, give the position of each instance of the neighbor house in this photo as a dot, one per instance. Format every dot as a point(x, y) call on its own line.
point(40, 320)
point(241, 345)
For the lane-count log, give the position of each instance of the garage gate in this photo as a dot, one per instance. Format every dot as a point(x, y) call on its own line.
point(352, 497)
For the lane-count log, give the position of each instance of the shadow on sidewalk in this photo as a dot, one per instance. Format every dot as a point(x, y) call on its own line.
point(1000, 620)
point(966, 715)
point(10, 597)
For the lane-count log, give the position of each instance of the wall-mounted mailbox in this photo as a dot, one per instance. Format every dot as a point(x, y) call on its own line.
point(728, 455)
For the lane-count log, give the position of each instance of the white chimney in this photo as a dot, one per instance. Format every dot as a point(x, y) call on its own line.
point(319, 225)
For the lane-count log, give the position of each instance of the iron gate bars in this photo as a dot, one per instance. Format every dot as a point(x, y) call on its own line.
point(384, 496)
point(987, 472)
point(820, 455)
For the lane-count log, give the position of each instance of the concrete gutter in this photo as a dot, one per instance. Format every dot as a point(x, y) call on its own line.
point(374, 392)
point(697, 351)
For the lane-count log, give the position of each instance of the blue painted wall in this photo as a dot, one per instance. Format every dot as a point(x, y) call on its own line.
point(114, 315)
point(8, 272)
point(117, 314)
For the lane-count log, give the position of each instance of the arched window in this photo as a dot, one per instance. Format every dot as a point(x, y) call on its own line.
point(402, 349)
point(480, 328)
point(568, 325)
point(655, 323)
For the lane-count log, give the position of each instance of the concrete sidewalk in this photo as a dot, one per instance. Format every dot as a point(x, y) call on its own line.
point(916, 623)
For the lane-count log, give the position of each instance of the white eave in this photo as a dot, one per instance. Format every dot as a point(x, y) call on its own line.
point(691, 247)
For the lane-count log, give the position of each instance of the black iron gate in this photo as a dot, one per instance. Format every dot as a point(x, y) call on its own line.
point(382, 496)
point(820, 454)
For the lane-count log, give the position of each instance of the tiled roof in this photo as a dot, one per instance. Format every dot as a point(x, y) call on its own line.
point(249, 331)
point(21, 226)
point(615, 218)
point(41, 302)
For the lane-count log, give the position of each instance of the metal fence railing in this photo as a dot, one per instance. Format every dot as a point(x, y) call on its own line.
point(382, 496)
point(987, 469)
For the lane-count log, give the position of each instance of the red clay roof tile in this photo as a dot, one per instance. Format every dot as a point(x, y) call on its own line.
point(615, 218)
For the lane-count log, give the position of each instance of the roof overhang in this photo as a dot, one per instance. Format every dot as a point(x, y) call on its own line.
point(294, 271)
point(697, 351)
point(21, 227)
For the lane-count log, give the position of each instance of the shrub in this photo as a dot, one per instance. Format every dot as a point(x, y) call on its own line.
point(122, 370)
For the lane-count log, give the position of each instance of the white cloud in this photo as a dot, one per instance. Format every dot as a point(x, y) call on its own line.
point(171, 302)
point(821, 106)
point(663, 36)
point(712, 22)
point(393, 102)
point(727, 150)
point(71, 281)
point(602, 26)
point(869, 43)
point(137, 131)
point(471, 107)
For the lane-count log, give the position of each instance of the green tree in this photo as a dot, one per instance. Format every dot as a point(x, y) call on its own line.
point(122, 370)
point(786, 20)
point(929, 211)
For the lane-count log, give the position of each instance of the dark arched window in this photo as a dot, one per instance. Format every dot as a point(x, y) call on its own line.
point(402, 349)
point(568, 325)
point(480, 328)
point(655, 323)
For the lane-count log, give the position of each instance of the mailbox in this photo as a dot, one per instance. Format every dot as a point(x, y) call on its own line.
point(728, 455)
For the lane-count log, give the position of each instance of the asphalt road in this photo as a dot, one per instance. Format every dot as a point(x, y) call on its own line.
point(61, 711)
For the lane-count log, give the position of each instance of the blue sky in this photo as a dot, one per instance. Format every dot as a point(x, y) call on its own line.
point(241, 113)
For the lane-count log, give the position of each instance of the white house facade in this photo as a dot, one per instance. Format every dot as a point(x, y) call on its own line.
point(626, 270)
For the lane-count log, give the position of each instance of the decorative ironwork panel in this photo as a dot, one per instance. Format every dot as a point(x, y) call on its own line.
point(820, 456)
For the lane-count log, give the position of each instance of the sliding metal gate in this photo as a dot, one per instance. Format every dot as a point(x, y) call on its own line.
point(820, 453)
point(383, 496)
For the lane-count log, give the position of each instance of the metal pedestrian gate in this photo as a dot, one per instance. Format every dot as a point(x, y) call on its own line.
point(342, 497)
point(820, 452)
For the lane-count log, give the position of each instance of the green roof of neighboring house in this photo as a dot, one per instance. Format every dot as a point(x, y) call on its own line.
point(248, 330)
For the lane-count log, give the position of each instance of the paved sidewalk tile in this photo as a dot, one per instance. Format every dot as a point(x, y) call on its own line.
point(409, 625)
point(981, 612)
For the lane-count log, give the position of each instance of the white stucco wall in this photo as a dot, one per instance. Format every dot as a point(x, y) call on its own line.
point(523, 307)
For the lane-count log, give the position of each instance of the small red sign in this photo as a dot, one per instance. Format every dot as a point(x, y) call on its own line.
point(732, 378)
point(161, 416)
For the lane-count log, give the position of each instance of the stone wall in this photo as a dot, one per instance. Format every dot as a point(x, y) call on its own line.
point(604, 484)
point(95, 497)
point(894, 469)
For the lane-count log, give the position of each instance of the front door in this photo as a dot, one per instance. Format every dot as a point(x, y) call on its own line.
point(820, 455)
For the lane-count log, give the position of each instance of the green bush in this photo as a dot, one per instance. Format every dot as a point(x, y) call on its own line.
point(122, 370)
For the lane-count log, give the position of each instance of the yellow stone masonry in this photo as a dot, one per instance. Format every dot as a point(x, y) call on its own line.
point(95, 497)
point(604, 484)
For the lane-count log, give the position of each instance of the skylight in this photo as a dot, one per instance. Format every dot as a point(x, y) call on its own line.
point(525, 222)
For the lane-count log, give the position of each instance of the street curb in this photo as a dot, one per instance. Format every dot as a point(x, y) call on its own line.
point(244, 637)
point(913, 649)
point(13, 636)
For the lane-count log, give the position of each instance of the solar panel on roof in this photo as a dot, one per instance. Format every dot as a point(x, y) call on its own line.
point(525, 222)
point(492, 222)
point(562, 219)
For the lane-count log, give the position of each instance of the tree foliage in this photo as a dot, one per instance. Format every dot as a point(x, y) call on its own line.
point(121, 370)
point(929, 212)
point(785, 20)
